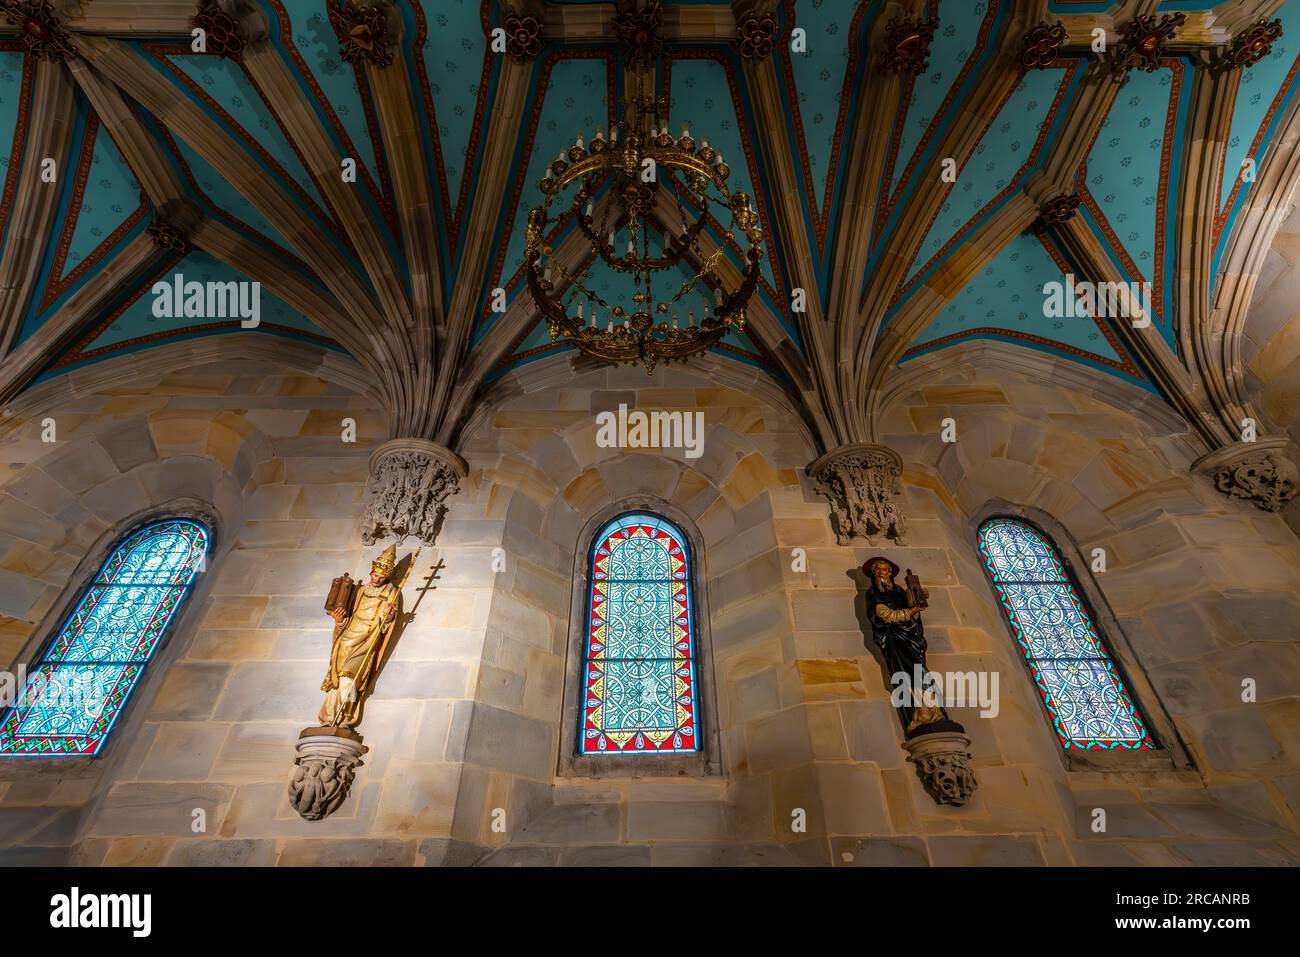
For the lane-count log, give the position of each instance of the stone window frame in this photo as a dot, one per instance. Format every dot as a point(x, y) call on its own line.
point(1171, 752)
point(179, 631)
point(707, 761)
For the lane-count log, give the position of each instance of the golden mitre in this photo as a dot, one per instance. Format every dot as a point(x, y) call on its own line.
point(386, 560)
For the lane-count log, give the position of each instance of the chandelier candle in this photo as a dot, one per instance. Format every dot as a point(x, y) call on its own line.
point(651, 168)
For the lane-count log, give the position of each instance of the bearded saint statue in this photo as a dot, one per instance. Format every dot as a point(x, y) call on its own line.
point(897, 631)
point(362, 628)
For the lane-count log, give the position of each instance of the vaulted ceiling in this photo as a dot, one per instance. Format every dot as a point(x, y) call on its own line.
point(238, 150)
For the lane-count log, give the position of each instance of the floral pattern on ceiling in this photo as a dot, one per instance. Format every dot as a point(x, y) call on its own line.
point(308, 29)
point(572, 100)
point(1128, 179)
point(1006, 300)
point(106, 194)
point(454, 62)
point(1129, 172)
point(1010, 148)
point(1262, 92)
point(133, 322)
point(15, 93)
point(959, 42)
point(704, 87)
point(820, 82)
point(224, 90)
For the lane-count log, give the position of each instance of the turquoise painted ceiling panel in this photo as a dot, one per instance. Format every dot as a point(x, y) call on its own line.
point(319, 47)
point(1124, 165)
point(954, 42)
point(574, 105)
point(138, 319)
point(226, 196)
point(1260, 86)
point(11, 76)
point(454, 48)
point(1005, 148)
point(11, 86)
point(226, 83)
point(819, 80)
point(111, 195)
point(702, 99)
point(1007, 294)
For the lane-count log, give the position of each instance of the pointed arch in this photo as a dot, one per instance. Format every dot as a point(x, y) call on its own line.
point(80, 684)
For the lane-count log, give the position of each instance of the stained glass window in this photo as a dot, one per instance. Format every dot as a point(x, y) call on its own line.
point(639, 656)
point(76, 691)
point(1084, 694)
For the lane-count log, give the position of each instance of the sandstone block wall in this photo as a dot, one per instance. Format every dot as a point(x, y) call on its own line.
point(468, 730)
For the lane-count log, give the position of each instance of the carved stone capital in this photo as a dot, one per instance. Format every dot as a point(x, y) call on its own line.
point(942, 762)
point(323, 771)
point(1261, 472)
point(863, 484)
point(410, 480)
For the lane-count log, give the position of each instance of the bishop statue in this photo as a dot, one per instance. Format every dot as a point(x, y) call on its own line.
point(364, 615)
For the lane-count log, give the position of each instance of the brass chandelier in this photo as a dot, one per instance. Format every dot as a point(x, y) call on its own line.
point(632, 170)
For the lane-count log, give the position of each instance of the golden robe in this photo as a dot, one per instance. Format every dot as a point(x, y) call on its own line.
point(351, 656)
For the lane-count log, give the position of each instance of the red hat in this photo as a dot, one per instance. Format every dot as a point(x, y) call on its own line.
point(866, 566)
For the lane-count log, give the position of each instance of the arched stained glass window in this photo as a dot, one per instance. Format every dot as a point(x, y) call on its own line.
point(639, 686)
point(77, 689)
point(1084, 694)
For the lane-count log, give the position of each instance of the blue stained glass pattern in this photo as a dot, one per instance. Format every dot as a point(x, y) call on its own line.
point(639, 662)
point(77, 690)
point(1074, 674)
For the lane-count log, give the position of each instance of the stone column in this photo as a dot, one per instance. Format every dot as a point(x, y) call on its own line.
point(863, 484)
point(1260, 472)
point(410, 480)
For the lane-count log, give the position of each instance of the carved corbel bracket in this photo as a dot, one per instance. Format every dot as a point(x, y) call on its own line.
point(323, 771)
point(1262, 472)
point(410, 479)
point(942, 762)
point(863, 484)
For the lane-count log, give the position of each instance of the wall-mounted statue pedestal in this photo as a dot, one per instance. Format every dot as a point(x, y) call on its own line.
point(323, 770)
point(941, 753)
point(1260, 472)
point(410, 480)
point(863, 484)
